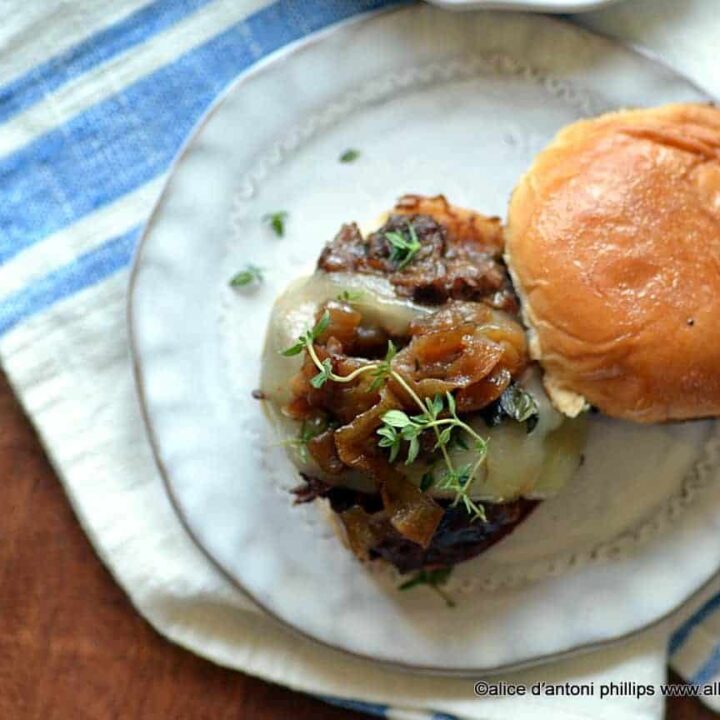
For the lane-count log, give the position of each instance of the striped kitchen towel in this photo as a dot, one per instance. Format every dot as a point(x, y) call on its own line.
point(95, 100)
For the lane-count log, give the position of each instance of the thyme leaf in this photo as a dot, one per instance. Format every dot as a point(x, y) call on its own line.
point(309, 337)
point(383, 369)
point(324, 375)
point(350, 155)
point(350, 296)
point(251, 274)
point(403, 249)
point(427, 481)
point(276, 221)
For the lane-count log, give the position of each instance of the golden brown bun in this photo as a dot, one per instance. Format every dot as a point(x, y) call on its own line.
point(614, 245)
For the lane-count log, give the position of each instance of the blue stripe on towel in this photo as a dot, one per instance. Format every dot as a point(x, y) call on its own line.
point(678, 638)
point(373, 709)
point(132, 30)
point(709, 669)
point(125, 141)
point(83, 272)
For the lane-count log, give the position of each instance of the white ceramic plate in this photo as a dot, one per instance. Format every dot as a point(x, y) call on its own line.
point(547, 6)
point(435, 102)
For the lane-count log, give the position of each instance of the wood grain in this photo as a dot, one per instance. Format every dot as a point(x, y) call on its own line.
point(72, 647)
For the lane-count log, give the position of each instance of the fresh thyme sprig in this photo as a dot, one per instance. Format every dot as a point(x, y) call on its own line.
point(457, 481)
point(251, 274)
point(403, 249)
point(399, 427)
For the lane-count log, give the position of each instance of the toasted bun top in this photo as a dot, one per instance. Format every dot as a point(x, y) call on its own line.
point(614, 245)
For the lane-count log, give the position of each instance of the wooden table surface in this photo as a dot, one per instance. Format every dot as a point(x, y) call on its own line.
point(72, 647)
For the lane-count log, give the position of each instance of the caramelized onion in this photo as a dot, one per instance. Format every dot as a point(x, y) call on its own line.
point(483, 393)
point(343, 325)
point(468, 347)
point(408, 511)
point(412, 513)
point(356, 442)
point(362, 533)
point(323, 450)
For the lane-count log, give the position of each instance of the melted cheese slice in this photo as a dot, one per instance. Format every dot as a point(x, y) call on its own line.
point(519, 464)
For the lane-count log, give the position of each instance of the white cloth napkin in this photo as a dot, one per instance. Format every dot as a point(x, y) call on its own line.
point(74, 202)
